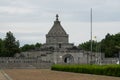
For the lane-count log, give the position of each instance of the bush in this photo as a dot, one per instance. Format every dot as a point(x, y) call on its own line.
point(109, 70)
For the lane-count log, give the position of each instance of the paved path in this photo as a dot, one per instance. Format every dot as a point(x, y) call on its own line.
point(45, 74)
point(2, 77)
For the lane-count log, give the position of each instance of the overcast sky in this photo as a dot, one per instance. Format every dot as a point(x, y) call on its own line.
point(30, 20)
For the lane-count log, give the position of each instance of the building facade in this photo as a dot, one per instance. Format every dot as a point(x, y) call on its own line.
point(57, 37)
point(56, 50)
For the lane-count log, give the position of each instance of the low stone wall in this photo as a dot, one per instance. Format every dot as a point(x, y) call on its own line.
point(110, 61)
point(9, 62)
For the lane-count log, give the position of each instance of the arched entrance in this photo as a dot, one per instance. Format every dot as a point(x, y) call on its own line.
point(68, 58)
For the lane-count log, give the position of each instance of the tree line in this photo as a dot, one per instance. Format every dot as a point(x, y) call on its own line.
point(9, 46)
point(30, 47)
point(110, 45)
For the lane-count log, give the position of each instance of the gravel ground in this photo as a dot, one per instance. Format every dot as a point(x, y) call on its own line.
point(46, 74)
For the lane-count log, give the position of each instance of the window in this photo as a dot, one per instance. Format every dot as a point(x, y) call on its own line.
point(59, 45)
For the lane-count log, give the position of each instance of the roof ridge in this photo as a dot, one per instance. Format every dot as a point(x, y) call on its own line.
point(57, 29)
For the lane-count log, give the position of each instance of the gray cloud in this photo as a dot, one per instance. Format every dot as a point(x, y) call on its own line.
point(30, 20)
point(71, 10)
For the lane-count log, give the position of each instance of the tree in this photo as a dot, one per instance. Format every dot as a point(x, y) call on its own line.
point(2, 49)
point(38, 45)
point(28, 47)
point(11, 46)
point(0, 46)
point(109, 45)
point(86, 46)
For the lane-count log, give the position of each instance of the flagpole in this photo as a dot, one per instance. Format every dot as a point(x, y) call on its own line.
point(91, 34)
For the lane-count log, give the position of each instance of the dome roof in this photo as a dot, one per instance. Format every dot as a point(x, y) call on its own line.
point(57, 29)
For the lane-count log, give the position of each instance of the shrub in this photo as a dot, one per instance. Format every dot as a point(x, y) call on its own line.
point(109, 70)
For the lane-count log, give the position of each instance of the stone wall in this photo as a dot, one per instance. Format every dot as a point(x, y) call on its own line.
point(10, 62)
point(56, 39)
point(44, 59)
point(58, 56)
point(106, 61)
point(58, 45)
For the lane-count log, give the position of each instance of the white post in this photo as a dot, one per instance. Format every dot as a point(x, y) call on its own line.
point(91, 35)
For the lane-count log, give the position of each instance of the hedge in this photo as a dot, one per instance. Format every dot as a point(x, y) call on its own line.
point(109, 70)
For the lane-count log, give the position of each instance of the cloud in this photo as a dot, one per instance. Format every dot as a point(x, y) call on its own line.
point(30, 20)
point(78, 31)
point(15, 10)
point(70, 10)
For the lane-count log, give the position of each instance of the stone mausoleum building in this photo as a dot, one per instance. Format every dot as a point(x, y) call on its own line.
point(57, 37)
point(56, 50)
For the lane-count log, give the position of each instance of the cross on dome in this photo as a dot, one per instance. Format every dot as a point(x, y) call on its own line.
point(57, 17)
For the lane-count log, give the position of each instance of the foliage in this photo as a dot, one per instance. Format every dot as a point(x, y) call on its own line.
point(28, 47)
point(109, 70)
point(109, 45)
point(2, 49)
point(38, 45)
point(9, 46)
point(86, 46)
point(0, 45)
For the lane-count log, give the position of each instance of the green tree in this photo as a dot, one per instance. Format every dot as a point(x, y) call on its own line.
point(2, 49)
point(28, 47)
point(109, 45)
point(11, 46)
point(0, 46)
point(38, 45)
point(87, 46)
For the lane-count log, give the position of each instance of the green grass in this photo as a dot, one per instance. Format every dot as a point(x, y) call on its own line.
point(109, 70)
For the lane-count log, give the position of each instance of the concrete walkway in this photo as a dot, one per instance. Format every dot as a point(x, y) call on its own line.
point(46, 74)
point(4, 76)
